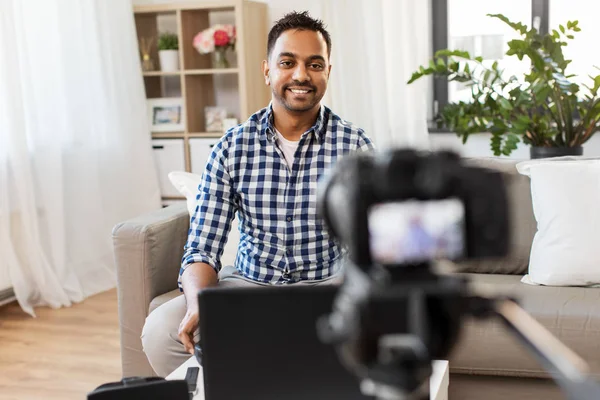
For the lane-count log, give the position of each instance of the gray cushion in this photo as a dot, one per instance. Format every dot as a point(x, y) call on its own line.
point(163, 298)
point(572, 314)
point(522, 221)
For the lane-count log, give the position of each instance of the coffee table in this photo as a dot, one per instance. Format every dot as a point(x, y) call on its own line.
point(438, 384)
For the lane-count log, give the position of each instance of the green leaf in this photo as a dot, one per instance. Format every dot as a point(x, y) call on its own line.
point(505, 104)
point(486, 75)
point(414, 77)
point(517, 26)
point(562, 28)
point(452, 53)
point(510, 144)
point(496, 144)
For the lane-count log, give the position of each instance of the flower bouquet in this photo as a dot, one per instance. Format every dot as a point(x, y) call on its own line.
point(216, 39)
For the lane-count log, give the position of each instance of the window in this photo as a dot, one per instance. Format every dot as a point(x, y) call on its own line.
point(464, 25)
point(583, 50)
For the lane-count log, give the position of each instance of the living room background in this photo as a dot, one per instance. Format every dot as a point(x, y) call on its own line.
point(371, 90)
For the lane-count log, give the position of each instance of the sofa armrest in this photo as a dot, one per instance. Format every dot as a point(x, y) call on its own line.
point(147, 251)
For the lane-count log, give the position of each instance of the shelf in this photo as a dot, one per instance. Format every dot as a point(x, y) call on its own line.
point(162, 73)
point(238, 89)
point(173, 198)
point(165, 8)
point(168, 135)
point(209, 71)
point(205, 135)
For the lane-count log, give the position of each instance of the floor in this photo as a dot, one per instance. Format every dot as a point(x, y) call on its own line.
point(61, 354)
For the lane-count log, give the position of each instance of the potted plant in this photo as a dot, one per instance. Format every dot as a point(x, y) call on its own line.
point(168, 52)
point(543, 108)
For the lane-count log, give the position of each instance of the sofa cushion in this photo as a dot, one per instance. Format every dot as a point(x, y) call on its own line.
point(187, 184)
point(565, 193)
point(571, 314)
point(522, 221)
point(162, 299)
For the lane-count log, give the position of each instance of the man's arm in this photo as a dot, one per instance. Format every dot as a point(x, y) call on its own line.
point(364, 142)
point(209, 228)
point(196, 276)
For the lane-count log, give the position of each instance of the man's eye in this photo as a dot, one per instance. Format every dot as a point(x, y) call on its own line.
point(316, 66)
point(286, 63)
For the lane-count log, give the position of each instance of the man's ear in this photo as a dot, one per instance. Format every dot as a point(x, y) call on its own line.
point(265, 68)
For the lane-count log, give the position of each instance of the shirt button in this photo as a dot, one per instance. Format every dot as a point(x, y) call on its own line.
point(288, 252)
point(289, 219)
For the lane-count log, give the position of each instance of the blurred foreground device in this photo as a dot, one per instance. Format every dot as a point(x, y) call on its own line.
point(398, 214)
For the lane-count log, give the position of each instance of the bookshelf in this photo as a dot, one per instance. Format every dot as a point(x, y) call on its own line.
point(239, 89)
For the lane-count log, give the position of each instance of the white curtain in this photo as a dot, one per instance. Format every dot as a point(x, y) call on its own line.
point(377, 44)
point(75, 152)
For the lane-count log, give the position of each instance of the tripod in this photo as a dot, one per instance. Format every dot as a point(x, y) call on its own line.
point(387, 332)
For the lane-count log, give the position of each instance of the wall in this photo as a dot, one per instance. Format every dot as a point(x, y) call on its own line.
point(276, 7)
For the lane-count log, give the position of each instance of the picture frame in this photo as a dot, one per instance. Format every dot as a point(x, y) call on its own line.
point(214, 117)
point(229, 123)
point(166, 114)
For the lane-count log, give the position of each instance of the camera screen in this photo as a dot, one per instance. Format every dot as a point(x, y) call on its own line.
point(416, 231)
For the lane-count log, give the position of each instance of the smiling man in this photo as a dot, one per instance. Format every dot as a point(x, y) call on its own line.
point(266, 171)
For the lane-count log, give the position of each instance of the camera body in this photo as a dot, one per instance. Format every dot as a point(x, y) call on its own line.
point(360, 183)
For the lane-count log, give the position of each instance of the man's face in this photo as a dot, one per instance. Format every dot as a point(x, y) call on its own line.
point(298, 70)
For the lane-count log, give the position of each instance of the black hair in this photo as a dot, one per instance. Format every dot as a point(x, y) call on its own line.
point(297, 20)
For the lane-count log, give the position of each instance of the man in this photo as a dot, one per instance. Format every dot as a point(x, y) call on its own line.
point(266, 170)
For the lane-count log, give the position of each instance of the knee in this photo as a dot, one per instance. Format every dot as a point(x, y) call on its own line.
point(156, 332)
point(160, 339)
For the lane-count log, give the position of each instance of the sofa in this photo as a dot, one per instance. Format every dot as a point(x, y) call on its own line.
point(487, 363)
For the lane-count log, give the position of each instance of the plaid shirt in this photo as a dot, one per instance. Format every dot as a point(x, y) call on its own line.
point(282, 240)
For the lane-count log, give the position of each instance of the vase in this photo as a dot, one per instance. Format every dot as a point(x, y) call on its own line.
point(147, 64)
point(220, 59)
point(547, 152)
point(169, 60)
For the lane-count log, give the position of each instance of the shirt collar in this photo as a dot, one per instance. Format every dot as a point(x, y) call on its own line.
point(318, 128)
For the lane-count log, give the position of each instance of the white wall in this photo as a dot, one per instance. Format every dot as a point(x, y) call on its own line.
point(479, 146)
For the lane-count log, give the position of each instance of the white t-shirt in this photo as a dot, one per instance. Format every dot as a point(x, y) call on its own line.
point(288, 148)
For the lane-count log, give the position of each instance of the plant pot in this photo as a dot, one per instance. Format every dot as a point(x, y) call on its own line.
point(547, 152)
point(169, 60)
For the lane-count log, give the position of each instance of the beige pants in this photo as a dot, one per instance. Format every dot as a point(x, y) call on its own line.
point(160, 341)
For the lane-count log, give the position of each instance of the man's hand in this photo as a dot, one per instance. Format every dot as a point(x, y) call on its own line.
point(187, 327)
point(196, 276)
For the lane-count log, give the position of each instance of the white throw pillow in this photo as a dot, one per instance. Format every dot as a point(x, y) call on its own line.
point(566, 203)
point(187, 184)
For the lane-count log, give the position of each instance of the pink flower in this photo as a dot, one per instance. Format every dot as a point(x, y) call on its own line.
point(230, 29)
point(204, 42)
point(215, 36)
